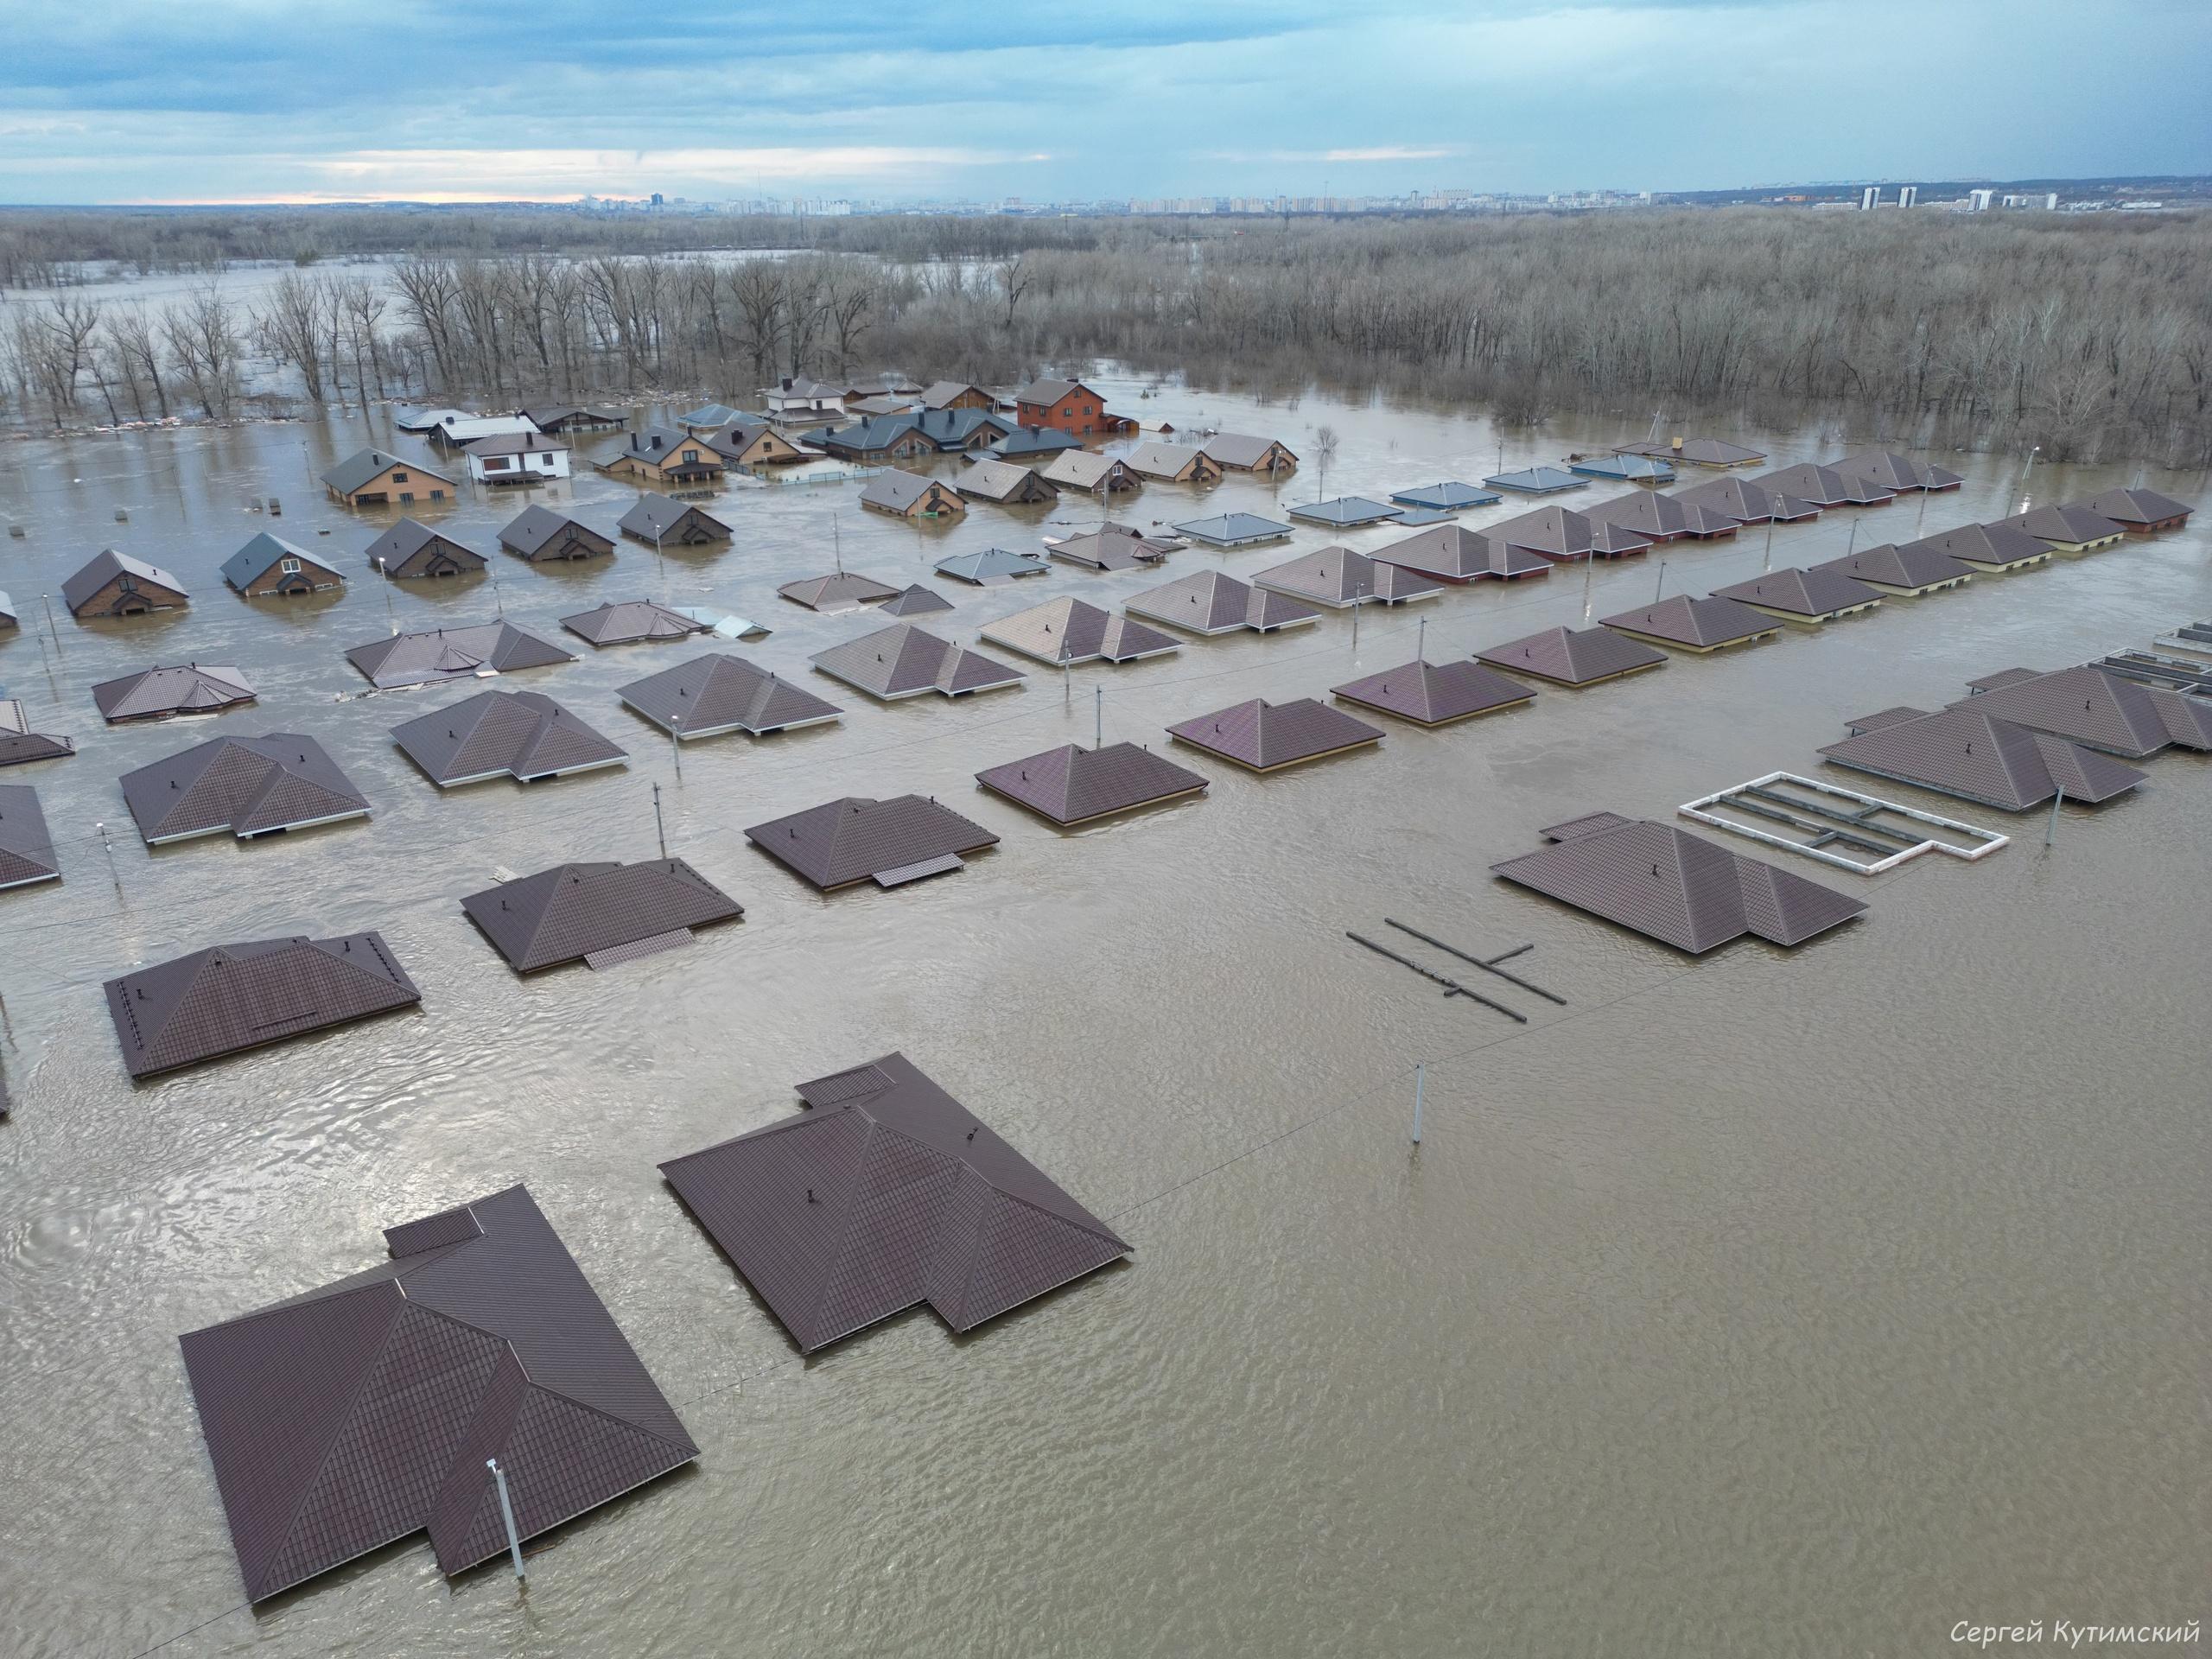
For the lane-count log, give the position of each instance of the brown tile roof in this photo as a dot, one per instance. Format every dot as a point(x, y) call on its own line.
point(904, 661)
point(1887, 470)
point(1263, 736)
point(843, 841)
point(410, 548)
point(1660, 517)
point(1573, 656)
point(244, 786)
point(1985, 544)
point(1812, 595)
point(25, 847)
point(1746, 502)
point(916, 600)
point(535, 528)
point(1002, 481)
point(1051, 391)
point(154, 693)
point(232, 997)
point(1560, 532)
point(106, 565)
point(887, 1192)
point(1337, 576)
point(719, 693)
point(1966, 752)
point(17, 747)
point(2137, 506)
point(1453, 553)
point(1675, 888)
point(1913, 567)
point(672, 521)
point(2103, 711)
point(443, 654)
point(574, 911)
point(1824, 486)
point(837, 593)
point(1695, 624)
point(366, 1410)
point(1701, 452)
point(628, 621)
point(1212, 601)
point(522, 734)
point(1435, 694)
point(1065, 630)
point(2065, 524)
point(1073, 786)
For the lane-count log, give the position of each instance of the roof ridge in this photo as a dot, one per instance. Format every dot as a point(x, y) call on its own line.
point(601, 1412)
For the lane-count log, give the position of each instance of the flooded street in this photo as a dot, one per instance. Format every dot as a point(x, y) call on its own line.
point(1775, 1303)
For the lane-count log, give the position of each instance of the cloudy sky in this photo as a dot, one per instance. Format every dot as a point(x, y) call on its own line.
point(130, 100)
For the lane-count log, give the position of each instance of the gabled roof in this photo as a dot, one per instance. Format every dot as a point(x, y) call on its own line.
point(1537, 481)
point(358, 468)
point(407, 538)
point(654, 513)
point(232, 997)
point(1079, 469)
point(1051, 391)
point(1653, 514)
point(1234, 530)
point(904, 661)
point(1451, 552)
point(366, 1409)
point(259, 556)
point(1914, 565)
point(1156, 460)
point(1241, 450)
point(2064, 524)
point(992, 565)
point(1065, 630)
point(858, 838)
point(719, 693)
point(2104, 711)
point(1337, 576)
point(899, 491)
point(1435, 694)
point(939, 394)
point(1809, 593)
point(577, 911)
point(1263, 735)
point(1966, 751)
point(1561, 533)
point(1449, 496)
point(999, 481)
point(2000, 543)
point(626, 621)
point(1212, 601)
point(1746, 501)
point(1343, 511)
point(1700, 452)
point(1672, 887)
point(104, 567)
point(887, 1192)
point(194, 688)
point(1071, 785)
point(838, 592)
point(26, 847)
point(535, 525)
point(2137, 506)
point(514, 443)
point(915, 600)
point(1574, 656)
point(246, 785)
point(1890, 471)
point(453, 654)
point(1036, 441)
point(1114, 548)
point(521, 735)
point(8, 617)
point(1701, 624)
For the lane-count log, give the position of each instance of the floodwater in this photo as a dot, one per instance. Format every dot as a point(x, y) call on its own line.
point(1777, 1303)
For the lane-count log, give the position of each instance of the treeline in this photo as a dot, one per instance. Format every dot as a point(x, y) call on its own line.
point(2092, 337)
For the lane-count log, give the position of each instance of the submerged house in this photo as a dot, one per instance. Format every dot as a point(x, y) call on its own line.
point(1235, 530)
point(1004, 484)
point(2140, 512)
point(1910, 570)
point(1241, 452)
point(602, 913)
point(1110, 547)
point(1213, 601)
point(886, 1194)
point(1797, 596)
point(372, 477)
point(1337, 577)
point(1561, 534)
point(1968, 752)
point(1699, 626)
point(713, 695)
point(1451, 552)
point(26, 845)
point(1661, 517)
point(991, 567)
point(1070, 407)
point(633, 621)
point(753, 444)
point(1886, 470)
point(525, 736)
point(1824, 486)
point(1991, 550)
point(1090, 474)
point(891, 843)
point(1574, 656)
point(2068, 528)
point(1746, 502)
point(1034, 443)
point(1071, 785)
point(561, 420)
point(904, 661)
point(268, 567)
point(516, 458)
point(440, 654)
point(665, 523)
point(158, 693)
point(1064, 632)
point(916, 434)
point(841, 591)
point(372, 1408)
point(910, 495)
point(246, 787)
point(1174, 464)
point(411, 550)
point(673, 460)
point(1436, 693)
point(1712, 453)
point(115, 584)
point(2096, 709)
point(1263, 736)
point(542, 536)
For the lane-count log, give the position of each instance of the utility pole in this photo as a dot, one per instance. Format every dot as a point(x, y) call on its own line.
point(660, 829)
point(507, 1513)
point(1421, 1088)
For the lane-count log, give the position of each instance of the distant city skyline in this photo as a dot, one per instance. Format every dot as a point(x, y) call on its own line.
point(247, 101)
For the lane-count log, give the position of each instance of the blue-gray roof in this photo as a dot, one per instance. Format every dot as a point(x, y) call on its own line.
point(1423, 515)
point(1035, 441)
point(1234, 530)
point(709, 415)
point(1344, 511)
point(1632, 468)
point(1446, 496)
point(257, 555)
point(1536, 480)
point(992, 564)
point(945, 428)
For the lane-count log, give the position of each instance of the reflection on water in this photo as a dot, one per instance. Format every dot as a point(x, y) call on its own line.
point(1759, 1305)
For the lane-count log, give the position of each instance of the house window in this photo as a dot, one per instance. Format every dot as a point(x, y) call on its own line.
point(399, 478)
point(289, 567)
point(436, 495)
point(690, 457)
point(406, 496)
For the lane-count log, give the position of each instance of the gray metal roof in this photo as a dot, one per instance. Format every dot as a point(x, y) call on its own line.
point(2101, 711)
point(1813, 595)
point(1914, 567)
point(26, 847)
point(1561, 533)
point(1694, 624)
point(1984, 544)
point(1212, 601)
point(530, 531)
point(1968, 752)
point(2137, 507)
point(525, 736)
point(859, 839)
point(1700, 452)
point(105, 566)
point(1079, 469)
point(367, 1409)
point(942, 429)
point(1449, 496)
point(1114, 548)
point(243, 786)
point(153, 693)
point(1071, 785)
point(899, 491)
point(1067, 631)
point(904, 661)
point(630, 621)
point(1263, 736)
point(1537, 481)
point(1435, 694)
point(232, 997)
point(1241, 451)
point(1824, 486)
point(1234, 530)
point(1003, 480)
point(461, 653)
point(1574, 656)
point(1891, 471)
point(1674, 887)
point(259, 556)
point(1660, 517)
point(410, 548)
point(2065, 524)
point(885, 1194)
point(657, 515)
point(1343, 511)
point(1337, 576)
point(358, 468)
point(837, 593)
point(1746, 501)
point(574, 911)
point(1036, 441)
point(1625, 465)
point(1153, 459)
point(711, 694)
point(1451, 552)
point(992, 565)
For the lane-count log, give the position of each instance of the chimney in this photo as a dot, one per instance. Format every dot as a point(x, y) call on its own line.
point(1678, 446)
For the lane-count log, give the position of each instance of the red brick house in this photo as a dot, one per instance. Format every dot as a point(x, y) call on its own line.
point(1071, 406)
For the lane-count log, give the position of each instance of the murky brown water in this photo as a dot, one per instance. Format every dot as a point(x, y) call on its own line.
point(1780, 1303)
